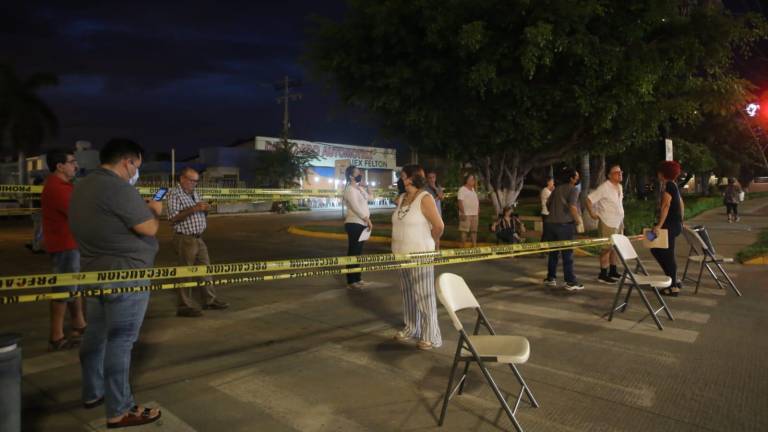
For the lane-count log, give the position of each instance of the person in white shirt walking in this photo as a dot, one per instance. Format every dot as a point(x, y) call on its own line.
point(605, 205)
point(358, 220)
point(469, 210)
point(417, 227)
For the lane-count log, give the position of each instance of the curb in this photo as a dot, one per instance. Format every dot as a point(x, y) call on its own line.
point(758, 260)
point(381, 239)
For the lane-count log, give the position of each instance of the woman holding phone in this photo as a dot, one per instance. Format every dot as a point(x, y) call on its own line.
point(671, 212)
point(358, 220)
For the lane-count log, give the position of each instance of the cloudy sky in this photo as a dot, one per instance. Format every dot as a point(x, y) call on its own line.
point(176, 74)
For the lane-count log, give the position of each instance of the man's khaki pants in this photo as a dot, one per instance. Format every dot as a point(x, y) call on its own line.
point(192, 251)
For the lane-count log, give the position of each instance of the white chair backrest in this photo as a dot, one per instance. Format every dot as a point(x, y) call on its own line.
point(624, 246)
point(694, 239)
point(455, 295)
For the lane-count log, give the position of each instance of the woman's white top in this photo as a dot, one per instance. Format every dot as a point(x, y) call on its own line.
point(356, 199)
point(411, 231)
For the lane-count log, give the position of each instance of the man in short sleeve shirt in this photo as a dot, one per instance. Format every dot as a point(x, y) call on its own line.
point(188, 215)
point(115, 229)
point(564, 215)
point(605, 205)
point(60, 244)
point(469, 210)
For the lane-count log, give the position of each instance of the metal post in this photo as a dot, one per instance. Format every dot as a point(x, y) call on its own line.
point(173, 167)
point(10, 382)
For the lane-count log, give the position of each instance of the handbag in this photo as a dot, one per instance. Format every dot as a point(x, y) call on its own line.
point(660, 242)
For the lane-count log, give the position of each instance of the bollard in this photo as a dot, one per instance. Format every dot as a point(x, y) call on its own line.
point(10, 382)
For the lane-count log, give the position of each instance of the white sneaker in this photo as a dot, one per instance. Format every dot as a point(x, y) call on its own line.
point(355, 286)
point(550, 282)
point(573, 286)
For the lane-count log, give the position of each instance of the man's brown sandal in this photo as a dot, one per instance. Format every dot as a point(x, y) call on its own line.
point(135, 418)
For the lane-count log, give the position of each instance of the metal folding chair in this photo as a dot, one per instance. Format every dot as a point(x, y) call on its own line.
point(455, 296)
point(638, 279)
point(705, 256)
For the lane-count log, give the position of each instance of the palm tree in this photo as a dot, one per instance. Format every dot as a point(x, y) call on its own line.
point(26, 121)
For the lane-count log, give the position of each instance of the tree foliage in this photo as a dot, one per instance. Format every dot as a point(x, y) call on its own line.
point(283, 166)
point(510, 85)
point(26, 121)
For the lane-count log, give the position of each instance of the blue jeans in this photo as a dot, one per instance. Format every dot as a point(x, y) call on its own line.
point(556, 232)
point(67, 261)
point(114, 322)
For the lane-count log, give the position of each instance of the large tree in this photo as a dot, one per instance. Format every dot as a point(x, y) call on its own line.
point(283, 166)
point(26, 121)
point(510, 85)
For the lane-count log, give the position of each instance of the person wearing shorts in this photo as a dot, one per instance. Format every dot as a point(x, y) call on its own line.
point(469, 210)
point(61, 245)
point(605, 205)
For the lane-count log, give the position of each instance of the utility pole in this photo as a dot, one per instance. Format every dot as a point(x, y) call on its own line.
point(285, 87)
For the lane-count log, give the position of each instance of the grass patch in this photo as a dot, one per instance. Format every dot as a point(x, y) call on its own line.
point(758, 248)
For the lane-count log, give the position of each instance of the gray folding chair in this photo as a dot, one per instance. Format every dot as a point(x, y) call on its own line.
point(455, 296)
point(638, 279)
point(704, 256)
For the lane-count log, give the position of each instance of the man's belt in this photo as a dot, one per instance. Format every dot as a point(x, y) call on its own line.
point(190, 235)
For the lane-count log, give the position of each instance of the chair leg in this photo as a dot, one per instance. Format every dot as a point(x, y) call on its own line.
point(698, 280)
point(626, 299)
point(728, 278)
point(663, 303)
point(618, 294)
point(464, 377)
point(650, 308)
point(499, 396)
point(685, 272)
point(449, 390)
point(525, 386)
point(714, 276)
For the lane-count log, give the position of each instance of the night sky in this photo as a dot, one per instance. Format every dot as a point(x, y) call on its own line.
point(189, 74)
point(176, 74)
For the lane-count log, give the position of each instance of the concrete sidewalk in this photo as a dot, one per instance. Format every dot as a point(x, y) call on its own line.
point(309, 355)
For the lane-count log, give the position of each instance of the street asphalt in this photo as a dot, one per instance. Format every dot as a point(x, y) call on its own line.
point(311, 355)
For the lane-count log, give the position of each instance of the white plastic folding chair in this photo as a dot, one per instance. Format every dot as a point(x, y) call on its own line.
point(456, 296)
point(705, 256)
point(638, 279)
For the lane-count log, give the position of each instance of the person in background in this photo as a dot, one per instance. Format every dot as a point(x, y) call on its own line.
point(115, 229)
point(508, 227)
point(188, 215)
point(731, 198)
point(564, 216)
point(417, 227)
point(671, 215)
point(435, 190)
point(61, 245)
point(605, 204)
point(469, 210)
point(358, 220)
point(546, 191)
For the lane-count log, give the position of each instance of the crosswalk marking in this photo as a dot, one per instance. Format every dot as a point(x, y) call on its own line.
point(644, 327)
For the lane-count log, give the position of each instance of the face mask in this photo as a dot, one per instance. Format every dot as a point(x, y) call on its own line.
point(358, 178)
point(135, 178)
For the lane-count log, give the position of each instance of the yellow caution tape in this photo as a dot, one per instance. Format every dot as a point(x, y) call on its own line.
point(17, 211)
point(49, 280)
point(417, 260)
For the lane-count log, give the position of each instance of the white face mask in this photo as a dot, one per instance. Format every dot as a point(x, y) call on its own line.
point(135, 178)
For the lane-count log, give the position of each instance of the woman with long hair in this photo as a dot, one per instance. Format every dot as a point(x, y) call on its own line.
point(671, 214)
point(417, 227)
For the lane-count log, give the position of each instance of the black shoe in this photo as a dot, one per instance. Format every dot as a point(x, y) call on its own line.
point(189, 312)
point(616, 276)
point(606, 279)
point(216, 305)
point(93, 404)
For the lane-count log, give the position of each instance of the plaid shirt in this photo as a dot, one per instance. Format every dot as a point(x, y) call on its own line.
point(179, 200)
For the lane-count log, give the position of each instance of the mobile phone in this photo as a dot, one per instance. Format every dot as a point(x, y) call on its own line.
point(160, 194)
point(650, 235)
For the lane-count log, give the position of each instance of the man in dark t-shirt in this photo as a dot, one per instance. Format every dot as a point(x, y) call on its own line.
point(115, 229)
point(564, 215)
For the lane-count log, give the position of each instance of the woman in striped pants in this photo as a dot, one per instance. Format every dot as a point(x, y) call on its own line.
point(417, 227)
